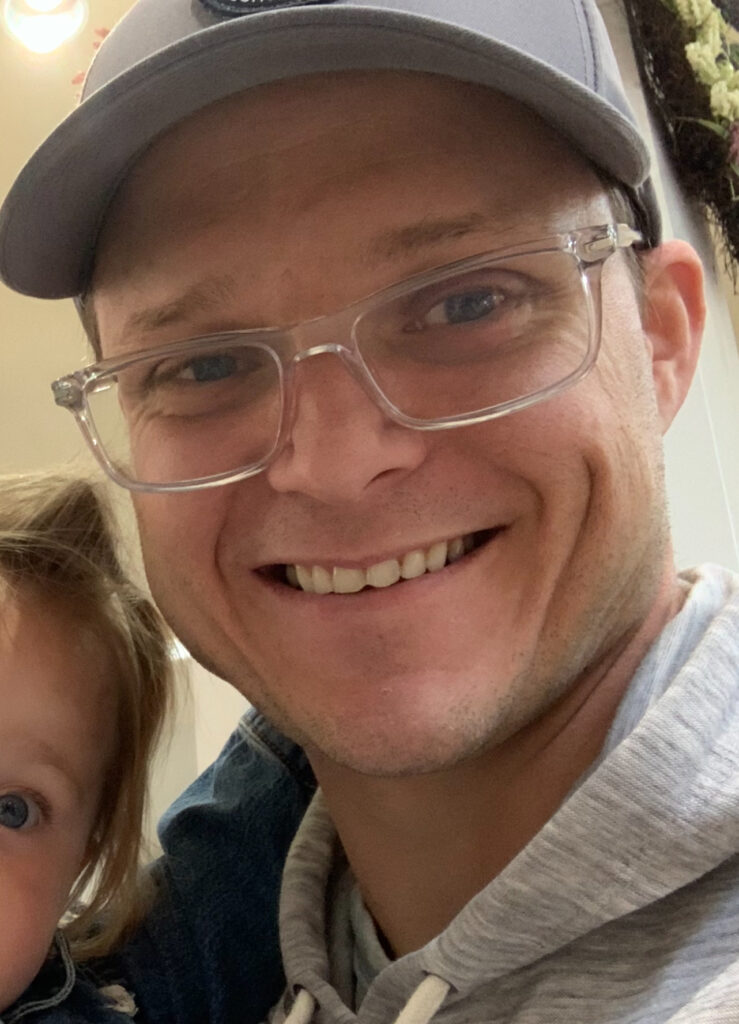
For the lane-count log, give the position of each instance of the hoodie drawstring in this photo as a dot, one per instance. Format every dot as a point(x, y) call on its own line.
point(425, 1001)
point(419, 1009)
point(301, 1011)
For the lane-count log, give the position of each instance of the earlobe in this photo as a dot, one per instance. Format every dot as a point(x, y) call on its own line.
point(673, 317)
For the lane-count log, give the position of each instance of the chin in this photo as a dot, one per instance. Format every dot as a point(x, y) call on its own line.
point(405, 741)
point(400, 755)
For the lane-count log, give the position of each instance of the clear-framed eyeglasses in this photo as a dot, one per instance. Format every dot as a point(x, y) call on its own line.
point(471, 341)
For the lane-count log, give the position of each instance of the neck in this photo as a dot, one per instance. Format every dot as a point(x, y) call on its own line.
point(422, 846)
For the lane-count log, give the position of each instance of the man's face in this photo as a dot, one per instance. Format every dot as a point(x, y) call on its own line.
point(292, 202)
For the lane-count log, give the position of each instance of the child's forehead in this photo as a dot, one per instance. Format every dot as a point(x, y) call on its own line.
point(55, 687)
point(29, 602)
point(57, 641)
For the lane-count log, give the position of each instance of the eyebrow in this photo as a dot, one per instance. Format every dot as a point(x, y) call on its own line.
point(209, 294)
point(205, 296)
point(424, 234)
point(46, 756)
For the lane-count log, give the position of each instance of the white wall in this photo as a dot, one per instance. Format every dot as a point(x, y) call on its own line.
point(217, 707)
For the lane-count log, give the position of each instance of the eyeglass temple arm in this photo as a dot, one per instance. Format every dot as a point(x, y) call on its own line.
point(616, 236)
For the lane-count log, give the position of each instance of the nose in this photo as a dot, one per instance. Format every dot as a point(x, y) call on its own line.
point(340, 444)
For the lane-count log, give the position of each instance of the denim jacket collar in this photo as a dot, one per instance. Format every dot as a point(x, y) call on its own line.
point(51, 986)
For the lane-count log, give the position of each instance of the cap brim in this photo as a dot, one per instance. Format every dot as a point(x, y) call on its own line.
point(51, 217)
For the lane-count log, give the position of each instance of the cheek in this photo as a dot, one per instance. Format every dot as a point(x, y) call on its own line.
point(33, 897)
point(181, 538)
point(537, 459)
point(630, 422)
point(612, 444)
point(624, 366)
point(590, 458)
point(178, 531)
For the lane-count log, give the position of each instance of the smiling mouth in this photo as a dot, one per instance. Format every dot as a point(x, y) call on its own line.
point(320, 579)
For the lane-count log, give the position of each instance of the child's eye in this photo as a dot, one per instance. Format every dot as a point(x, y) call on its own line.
point(17, 812)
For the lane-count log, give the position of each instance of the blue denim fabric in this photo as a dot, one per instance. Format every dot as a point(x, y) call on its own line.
point(63, 994)
point(208, 952)
point(83, 1005)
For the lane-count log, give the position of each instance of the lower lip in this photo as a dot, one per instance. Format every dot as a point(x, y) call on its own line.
point(382, 595)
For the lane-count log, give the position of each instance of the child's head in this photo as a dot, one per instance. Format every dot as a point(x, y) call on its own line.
point(84, 686)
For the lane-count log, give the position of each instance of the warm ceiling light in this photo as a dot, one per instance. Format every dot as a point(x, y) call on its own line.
point(43, 25)
point(44, 6)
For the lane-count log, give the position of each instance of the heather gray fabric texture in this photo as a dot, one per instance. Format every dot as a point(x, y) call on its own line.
point(623, 909)
point(169, 58)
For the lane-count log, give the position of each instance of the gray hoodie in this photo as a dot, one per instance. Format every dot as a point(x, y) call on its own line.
point(623, 908)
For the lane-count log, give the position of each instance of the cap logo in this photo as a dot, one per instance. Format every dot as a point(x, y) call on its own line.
point(234, 8)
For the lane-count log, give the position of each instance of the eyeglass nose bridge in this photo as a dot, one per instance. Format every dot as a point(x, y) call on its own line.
point(339, 325)
point(346, 353)
point(351, 360)
point(329, 348)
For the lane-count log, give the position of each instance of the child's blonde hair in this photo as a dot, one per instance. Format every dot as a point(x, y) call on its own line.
point(57, 542)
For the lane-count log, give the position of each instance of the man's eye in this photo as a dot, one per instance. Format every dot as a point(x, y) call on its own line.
point(209, 368)
point(464, 307)
point(18, 812)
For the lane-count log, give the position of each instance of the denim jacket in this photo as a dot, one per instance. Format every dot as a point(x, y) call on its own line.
point(63, 993)
point(208, 952)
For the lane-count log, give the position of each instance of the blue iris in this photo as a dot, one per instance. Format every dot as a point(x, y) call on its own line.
point(14, 811)
point(462, 309)
point(215, 367)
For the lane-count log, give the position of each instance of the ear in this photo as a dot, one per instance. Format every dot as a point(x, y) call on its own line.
point(673, 319)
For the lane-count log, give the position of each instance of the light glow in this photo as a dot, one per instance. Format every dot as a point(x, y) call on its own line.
point(44, 6)
point(44, 25)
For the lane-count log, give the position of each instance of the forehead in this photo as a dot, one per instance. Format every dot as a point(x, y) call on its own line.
point(336, 168)
point(295, 114)
point(65, 670)
point(319, 138)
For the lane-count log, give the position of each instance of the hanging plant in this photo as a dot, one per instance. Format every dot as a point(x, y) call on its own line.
point(688, 54)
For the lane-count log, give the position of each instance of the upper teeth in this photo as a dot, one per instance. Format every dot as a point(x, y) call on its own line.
point(340, 580)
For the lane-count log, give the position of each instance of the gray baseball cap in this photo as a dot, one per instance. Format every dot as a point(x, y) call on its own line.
point(168, 59)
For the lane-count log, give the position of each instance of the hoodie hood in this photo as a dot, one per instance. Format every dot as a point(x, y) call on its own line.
point(624, 907)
